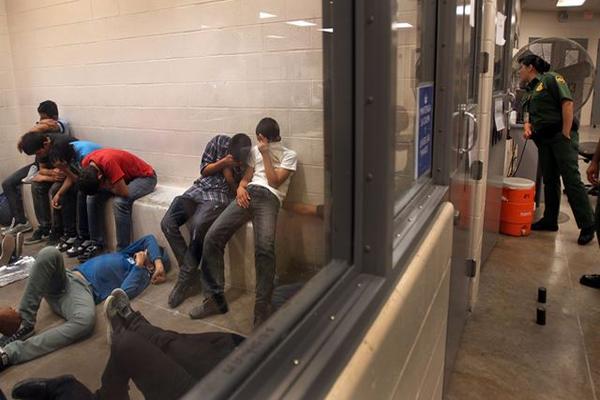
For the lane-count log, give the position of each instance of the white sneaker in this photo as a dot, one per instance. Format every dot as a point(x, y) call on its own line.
point(18, 228)
point(7, 228)
point(33, 171)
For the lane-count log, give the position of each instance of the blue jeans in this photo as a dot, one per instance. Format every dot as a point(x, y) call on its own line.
point(202, 214)
point(139, 187)
point(263, 210)
point(12, 187)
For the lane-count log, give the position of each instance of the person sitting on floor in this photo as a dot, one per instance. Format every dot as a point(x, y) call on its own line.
point(222, 168)
point(163, 364)
point(74, 294)
point(67, 157)
point(259, 197)
point(107, 173)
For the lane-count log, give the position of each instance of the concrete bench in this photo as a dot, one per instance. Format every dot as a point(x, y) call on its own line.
point(300, 239)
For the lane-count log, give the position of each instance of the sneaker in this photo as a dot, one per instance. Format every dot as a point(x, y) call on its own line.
point(116, 306)
point(7, 228)
point(210, 306)
point(66, 243)
point(33, 171)
point(20, 228)
point(54, 239)
point(586, 235)
point(91, 251)
point(39, 235)
point(41, 388)
point(181, 291)
point(78, 247)
point(543, 225)
point(23, 333)
point(10, 321)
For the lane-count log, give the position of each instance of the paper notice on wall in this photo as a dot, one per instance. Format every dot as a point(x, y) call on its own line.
point(500, 20)
point(499, 114)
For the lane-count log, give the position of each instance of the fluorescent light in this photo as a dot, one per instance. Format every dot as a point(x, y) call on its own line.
point(401, 25)
point(263, 15)
point(301, 23)
point(275, 37)
point(463, 10)
point(569, 3)
point(328, 30)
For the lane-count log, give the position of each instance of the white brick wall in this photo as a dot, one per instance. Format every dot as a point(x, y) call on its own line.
point(161, 77)
point(9, 156)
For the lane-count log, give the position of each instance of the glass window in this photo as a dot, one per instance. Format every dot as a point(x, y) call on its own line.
point(174, 85)
point(413, 41)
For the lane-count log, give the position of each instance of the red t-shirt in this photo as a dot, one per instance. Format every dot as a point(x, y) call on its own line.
point(118, 164)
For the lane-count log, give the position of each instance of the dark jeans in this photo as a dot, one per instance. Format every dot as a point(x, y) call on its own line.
point(203, 215)
point(263, 210)
point(65, 219)
point(122, 206)
point(83, 229)
point(41, 204)
point(12, 187)
point(558, 157)
point(163, 364)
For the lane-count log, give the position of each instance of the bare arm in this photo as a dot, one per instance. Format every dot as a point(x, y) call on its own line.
point(228, 173)
point(243, 198)
point(120, 188)
point(275, 176)
point(213, 168)
point(567, 117)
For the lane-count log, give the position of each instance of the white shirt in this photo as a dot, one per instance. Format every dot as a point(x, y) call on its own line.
point(281, 157)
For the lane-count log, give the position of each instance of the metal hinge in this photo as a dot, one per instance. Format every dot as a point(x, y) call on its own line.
point(484, 62)
point(471, 267)
point(477, 170)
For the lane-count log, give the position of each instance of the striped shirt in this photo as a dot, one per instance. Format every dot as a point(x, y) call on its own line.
point(214, 187)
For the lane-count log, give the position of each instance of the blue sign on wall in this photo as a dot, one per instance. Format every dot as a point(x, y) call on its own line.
point(424, 134)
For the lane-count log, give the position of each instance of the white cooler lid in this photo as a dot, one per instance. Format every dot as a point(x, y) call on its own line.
point(518, 183)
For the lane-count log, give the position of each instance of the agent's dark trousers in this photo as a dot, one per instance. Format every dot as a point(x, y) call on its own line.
point(558, 158)
point(202, 216)
point(12, 187)
point(263, 211)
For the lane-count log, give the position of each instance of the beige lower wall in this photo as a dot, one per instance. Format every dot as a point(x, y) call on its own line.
point(402, 354)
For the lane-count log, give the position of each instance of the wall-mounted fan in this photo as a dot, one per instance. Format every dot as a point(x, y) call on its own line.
point(567, 58)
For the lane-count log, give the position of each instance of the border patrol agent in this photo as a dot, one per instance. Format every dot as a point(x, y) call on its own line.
point(549, 121)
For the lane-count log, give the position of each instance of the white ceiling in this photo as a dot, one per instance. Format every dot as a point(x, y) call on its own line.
point(550, 5)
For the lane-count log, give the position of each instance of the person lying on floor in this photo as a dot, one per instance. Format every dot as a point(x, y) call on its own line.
point(163, 364)
point(74, 294)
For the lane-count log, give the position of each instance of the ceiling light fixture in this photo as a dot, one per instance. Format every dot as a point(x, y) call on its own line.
point(328, 30)
point(301, 23)
point(569, 3)
point(263, 15)
point(401, 25)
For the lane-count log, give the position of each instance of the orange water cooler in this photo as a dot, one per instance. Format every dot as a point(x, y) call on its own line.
point(518, 206)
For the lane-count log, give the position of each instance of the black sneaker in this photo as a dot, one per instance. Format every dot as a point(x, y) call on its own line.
point(586, 235)
point(116, 306)
point(591, 280)
point(53, 239)
point(24, 332)
point(91, 251)
point(66, 243)
point(210, 306)
point(42, 388)
point(181, 291)
point(78, 247)
point(39, 235)
point(543, 225)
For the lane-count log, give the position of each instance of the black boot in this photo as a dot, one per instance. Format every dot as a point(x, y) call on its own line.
point(181, 291)
point(544, 225)
point(586, 235)
point(212, 305)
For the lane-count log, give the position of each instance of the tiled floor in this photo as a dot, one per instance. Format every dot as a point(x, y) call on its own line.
point(504, 354)
point(86, 359)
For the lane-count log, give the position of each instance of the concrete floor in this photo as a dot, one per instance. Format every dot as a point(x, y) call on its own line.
point(87, 358)
point(504, 354)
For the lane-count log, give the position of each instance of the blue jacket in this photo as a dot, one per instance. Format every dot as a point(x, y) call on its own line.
point(118, 270)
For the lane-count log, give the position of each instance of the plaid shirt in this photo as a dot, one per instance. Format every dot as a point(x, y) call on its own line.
point(214, 187)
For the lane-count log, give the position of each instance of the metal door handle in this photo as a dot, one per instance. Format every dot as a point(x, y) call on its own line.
point(473, 118)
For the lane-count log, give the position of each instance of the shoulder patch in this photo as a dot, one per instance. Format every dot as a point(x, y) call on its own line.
point(539, 87)
point(560, 79)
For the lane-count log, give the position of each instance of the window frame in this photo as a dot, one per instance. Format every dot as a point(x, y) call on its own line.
point(300, 351)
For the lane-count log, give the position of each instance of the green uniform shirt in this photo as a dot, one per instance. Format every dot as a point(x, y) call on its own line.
point(543, 102)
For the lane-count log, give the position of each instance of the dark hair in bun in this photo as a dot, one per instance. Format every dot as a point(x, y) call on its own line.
point(538, 62)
